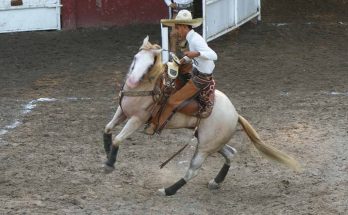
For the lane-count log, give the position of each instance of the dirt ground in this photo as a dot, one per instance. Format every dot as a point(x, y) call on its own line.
point(59, 89)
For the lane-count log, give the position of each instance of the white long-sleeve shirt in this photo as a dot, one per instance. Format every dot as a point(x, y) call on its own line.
point(205, 61)
point(168, 2)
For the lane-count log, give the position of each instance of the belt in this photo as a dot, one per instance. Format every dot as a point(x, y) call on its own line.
point(196, 72)
point(184, 5)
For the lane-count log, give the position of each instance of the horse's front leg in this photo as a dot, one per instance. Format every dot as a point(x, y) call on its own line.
point(131, 126)
point(118, 118)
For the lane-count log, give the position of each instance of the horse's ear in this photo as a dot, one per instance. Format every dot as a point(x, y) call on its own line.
point(146, 40)
point(156, 46)
point(146, 44)
point(156, 49)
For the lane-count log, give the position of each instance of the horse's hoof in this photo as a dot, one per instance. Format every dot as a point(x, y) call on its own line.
point(212, 185)
point(150, 129)
point(161, 192)
point(108, 169)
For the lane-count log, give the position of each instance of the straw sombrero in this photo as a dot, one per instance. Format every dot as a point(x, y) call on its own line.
point(184, 17)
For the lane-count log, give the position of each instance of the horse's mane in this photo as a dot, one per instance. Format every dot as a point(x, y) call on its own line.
point(158, 66)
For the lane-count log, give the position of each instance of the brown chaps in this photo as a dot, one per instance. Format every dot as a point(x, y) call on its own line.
point(189, 90)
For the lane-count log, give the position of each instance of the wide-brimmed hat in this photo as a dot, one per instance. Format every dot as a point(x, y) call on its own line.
point(184, 17)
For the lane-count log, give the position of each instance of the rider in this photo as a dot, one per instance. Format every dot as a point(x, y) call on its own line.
point(176, 6)
point(203, 65)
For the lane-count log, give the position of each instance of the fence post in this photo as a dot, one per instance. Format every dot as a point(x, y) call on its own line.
point(236, 12)
point(204, 26)
point(165, 44)
point(259, 8)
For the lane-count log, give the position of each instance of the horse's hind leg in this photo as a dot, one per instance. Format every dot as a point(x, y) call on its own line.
point(228, 152)
point(118, 118)
point(195, 165)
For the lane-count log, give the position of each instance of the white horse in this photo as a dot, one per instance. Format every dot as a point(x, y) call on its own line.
point(214, 132)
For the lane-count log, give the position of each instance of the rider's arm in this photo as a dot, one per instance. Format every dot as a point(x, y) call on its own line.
point(204, 50)
point(192, 54)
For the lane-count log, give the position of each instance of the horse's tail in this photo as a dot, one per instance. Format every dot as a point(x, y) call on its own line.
point(267, 150)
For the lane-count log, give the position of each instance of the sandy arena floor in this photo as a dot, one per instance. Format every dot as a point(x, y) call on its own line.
point(59, 89)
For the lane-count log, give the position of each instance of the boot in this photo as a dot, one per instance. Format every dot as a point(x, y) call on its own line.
point(186, 92)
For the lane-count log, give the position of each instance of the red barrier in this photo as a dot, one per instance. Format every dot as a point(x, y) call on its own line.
point(98, 13)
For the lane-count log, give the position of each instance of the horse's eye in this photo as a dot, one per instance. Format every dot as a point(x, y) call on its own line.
point(133, 64)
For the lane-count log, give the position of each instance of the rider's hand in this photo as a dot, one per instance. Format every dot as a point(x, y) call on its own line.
point(173, 5)
point(185, 60)
point(191, 54)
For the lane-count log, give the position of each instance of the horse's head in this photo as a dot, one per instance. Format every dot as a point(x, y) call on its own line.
point(143, 62)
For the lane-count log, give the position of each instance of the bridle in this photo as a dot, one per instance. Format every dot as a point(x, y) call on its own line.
point(155, 92)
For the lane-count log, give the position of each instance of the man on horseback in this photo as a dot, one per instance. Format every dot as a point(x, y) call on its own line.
point(138, 97)
point(185, 99)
